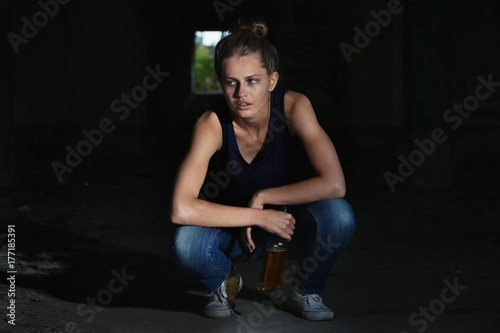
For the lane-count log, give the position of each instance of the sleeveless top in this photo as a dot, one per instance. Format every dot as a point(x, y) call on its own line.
point(230, 179)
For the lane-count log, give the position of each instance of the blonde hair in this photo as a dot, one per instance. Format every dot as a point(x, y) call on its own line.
point(248, 36)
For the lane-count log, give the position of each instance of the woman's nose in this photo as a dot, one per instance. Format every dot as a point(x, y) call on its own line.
point(240, 91)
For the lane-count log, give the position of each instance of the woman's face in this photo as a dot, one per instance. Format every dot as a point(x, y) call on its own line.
point(246, 85)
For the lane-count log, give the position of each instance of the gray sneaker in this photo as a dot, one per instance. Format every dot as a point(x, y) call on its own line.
point(221, 304)
point(310, 306)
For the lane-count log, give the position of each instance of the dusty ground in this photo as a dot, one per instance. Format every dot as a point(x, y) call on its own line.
point(91, 256)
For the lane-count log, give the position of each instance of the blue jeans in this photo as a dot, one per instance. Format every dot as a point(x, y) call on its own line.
point(322, 233)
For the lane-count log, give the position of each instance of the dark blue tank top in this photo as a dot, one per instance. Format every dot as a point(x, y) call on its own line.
point(230, 179)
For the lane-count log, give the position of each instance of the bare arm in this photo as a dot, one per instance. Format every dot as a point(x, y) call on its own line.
point(329, 182)
point(187, 209)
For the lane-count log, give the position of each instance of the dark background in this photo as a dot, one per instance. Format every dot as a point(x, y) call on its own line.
point(394, 91)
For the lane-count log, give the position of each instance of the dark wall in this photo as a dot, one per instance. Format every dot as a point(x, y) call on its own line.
point(392, 87)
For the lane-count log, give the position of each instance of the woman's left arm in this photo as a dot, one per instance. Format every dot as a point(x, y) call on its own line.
point(329, 181)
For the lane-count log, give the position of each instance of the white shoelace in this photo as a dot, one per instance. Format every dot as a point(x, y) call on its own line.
point(314, 299)
point(311, 299)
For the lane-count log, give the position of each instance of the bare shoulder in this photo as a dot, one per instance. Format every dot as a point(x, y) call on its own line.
point(208, 131)
point(208, 118)
point(299, 113)
point(295, 101)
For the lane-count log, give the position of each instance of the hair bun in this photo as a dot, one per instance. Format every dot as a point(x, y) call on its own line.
point(253, 25)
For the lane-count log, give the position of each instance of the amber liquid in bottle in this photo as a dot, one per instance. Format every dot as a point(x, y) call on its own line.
point(273, 269)
point(274, 263)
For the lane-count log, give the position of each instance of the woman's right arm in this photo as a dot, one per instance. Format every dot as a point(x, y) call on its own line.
point(187, 209)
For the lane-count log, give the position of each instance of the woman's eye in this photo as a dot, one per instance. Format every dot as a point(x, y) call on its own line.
point(230, 83)
point(253, 80)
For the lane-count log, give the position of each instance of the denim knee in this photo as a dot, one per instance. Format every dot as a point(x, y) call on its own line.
point(334, 214)
point(185, 246)
point(177, 245)
point(197, 251)
point(329, 225)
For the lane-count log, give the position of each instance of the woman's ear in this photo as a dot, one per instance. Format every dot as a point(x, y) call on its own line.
point(273, 80)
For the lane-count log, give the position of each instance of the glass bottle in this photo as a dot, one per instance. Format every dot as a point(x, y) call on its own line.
point(274, 263)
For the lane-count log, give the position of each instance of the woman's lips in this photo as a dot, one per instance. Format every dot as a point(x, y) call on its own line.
point(243, 105)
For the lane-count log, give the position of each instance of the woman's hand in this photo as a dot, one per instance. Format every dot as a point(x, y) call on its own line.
point(279, 223)
point(274, 221)
point(246, 233)
point(246, 237)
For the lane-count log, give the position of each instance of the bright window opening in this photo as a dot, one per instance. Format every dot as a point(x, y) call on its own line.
point(204, 78)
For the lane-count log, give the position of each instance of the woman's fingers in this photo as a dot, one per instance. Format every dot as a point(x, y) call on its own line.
point(282, 224)
point(246, 237)
point(250, 243)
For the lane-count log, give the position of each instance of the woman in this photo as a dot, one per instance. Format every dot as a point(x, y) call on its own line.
point(244, 158)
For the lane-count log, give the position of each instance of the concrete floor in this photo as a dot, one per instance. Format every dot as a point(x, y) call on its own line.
point(73, 241)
